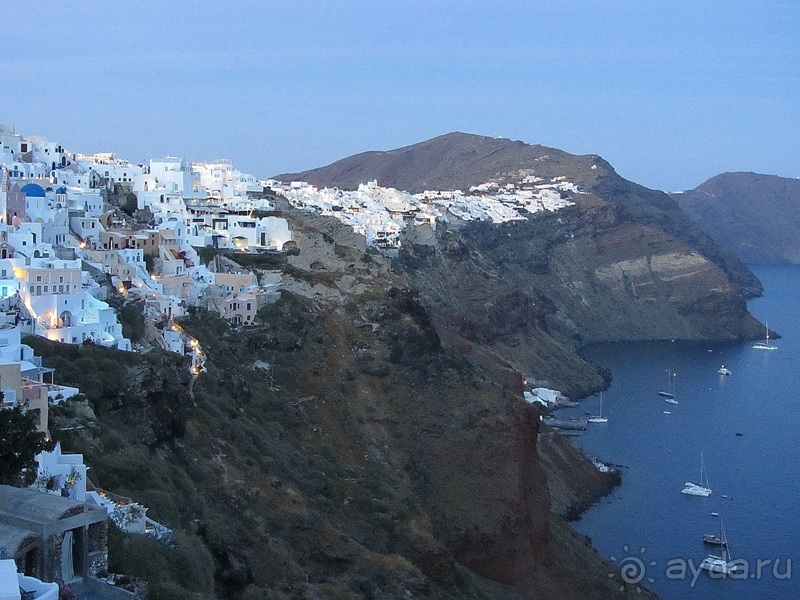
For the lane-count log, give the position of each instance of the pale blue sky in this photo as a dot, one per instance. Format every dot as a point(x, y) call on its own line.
point(671, 93)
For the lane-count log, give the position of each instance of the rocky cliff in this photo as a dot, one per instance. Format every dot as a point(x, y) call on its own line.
point(624, 263)
point(368, 438)
point(351, 445)
point(754, 217)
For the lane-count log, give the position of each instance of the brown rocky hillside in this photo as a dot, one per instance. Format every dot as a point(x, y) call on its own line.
point(368, 438)
point(381, 456)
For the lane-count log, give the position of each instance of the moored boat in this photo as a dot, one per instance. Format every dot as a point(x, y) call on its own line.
point(765, 345)
point(713, 539)
point(698, 489)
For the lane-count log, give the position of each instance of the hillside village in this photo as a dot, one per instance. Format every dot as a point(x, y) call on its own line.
point(81, 234)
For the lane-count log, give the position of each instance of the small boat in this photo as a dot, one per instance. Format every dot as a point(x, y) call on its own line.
point(599, 418)
point(713, 539)
point(669, 393)
point(765, 345)
point(698, 489)
point(719, 564)
point(671, 397)
point(666, 412)
point(723, 370)
point(714, 514)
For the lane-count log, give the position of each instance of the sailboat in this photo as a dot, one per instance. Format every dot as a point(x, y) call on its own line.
point(719, 564)
point(698, 489)
point(599, 418)
point(765, 345)
point(669, 393)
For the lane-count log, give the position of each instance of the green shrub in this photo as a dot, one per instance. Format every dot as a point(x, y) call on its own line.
point(131, 317)
point(182, 569)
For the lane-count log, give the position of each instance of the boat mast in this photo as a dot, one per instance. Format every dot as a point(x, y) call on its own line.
point(703, 482)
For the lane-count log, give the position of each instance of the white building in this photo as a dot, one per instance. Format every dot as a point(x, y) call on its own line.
point(61, 474)
point(62, 307)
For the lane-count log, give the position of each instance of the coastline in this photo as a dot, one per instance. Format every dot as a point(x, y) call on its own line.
point(576, 485)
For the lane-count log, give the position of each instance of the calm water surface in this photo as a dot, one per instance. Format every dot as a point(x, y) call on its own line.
point(647, 521)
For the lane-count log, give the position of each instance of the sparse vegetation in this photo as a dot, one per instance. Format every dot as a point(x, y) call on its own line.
point(207, 254)
point(131, 317)
point(179, 570)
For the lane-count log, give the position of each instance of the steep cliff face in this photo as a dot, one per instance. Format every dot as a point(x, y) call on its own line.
point(624, 263)
point(380, 455)
point(752, 216)
point(457, 161)
point(368, 439)
point(532, 292)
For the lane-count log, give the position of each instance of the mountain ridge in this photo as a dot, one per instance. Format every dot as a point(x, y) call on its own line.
point(753, 216)
point(454, 160)
point(460, 160)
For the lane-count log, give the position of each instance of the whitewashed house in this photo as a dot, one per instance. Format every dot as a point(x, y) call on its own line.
point(63, 309)
point(176, 174)
point(61, 474)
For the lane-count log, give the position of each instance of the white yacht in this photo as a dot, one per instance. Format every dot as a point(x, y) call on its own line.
point(670, 391)
point(765, 345)
point(599, 418)
point(698, 489)
point(719, 564)
point(723, 370)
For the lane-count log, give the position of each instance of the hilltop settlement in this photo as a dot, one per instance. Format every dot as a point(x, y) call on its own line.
point(82, 237)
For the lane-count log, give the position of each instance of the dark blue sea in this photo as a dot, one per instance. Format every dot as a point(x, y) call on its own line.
point(647, 525)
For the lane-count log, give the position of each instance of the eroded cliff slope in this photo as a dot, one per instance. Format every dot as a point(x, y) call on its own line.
point(372, 458)
point(368, 438)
